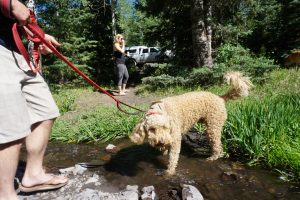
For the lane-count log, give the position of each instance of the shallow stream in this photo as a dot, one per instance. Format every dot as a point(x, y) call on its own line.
point(140, 165)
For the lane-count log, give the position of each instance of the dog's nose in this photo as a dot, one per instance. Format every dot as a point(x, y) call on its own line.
point(161, 141)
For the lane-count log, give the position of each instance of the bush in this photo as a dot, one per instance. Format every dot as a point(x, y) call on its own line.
point(61, 73)
point(163, 81)
point(229, 58)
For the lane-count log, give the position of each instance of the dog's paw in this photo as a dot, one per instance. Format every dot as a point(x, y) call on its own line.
point(169, 172)
point(212, 158)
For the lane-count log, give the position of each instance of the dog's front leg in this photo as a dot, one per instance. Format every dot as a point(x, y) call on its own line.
point(174, 152)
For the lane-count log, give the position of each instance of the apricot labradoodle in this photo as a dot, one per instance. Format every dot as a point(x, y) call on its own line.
point(169, 118)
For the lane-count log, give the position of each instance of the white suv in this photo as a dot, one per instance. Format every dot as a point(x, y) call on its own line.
point(138, 55)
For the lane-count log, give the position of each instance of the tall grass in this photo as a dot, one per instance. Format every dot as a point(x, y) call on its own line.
point(101, 124)
point(266, 130)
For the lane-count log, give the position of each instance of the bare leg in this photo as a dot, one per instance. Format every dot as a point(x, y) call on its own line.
point(120, 90)
point(124, 88)
point(9, 157)
point(36, 144)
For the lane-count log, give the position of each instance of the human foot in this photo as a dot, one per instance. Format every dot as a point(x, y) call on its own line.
point(49, 182)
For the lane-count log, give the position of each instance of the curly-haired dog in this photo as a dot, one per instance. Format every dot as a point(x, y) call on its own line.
point(169, 118)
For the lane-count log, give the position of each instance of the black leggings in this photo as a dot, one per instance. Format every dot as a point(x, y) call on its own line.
point(122, 73)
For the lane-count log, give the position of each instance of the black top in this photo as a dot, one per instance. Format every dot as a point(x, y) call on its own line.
point(120, 58)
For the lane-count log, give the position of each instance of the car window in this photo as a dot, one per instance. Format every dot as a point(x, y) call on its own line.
point(145, 51)
point(132, 51)
point(153, 50)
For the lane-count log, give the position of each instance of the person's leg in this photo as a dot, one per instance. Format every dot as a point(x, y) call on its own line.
point(125, 79)
point(120, 78)
point(36, 144)
point(9, 157)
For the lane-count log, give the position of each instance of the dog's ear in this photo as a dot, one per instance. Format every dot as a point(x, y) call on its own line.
point(138, 133)
point(154, 102)
point(157, 106)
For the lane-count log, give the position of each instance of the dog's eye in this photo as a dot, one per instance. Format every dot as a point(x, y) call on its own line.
point(152, 129)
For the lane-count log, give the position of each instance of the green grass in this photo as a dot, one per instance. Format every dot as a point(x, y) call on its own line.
point(98, 125)
point(265, 131)
point(65, 97)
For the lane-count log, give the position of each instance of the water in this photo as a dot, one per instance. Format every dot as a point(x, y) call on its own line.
point(140, 165)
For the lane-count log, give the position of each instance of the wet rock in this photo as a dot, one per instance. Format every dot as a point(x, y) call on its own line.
point(174, 194)
point(110, 148)
point(66, 171)
point(190, 192)
point(131, 193)
point(85, 186)
point(149, 193)
point(94, 180)
point(197, 142)
point(229, 177)
point(87, 194)
point(79, 170)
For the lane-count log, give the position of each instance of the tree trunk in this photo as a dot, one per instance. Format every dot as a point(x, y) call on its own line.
point(113, 17)
point(201, 32)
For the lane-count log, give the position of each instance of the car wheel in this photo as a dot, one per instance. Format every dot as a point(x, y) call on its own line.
point(131, 63)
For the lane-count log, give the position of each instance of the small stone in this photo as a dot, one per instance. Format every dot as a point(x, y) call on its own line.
point(190, 192)
point(111, 148)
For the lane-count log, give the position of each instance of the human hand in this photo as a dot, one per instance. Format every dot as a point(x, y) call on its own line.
point(20, 12)
point(44, 49)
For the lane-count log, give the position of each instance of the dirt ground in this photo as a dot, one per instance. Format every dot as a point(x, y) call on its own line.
point(93, 99)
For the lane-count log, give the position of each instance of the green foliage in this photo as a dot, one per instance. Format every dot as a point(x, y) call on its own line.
point(65, 98)
point(82, 28)
point(134, 24)
point(229, 58)
point(99, 125)
point(257, 131)
point(235, 57)
point(277, 28)
point(162, 81)
point(264, 129)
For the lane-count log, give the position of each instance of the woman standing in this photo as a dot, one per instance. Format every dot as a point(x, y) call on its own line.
point(122, 72)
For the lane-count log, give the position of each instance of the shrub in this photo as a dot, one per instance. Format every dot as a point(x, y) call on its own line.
point(229, 58)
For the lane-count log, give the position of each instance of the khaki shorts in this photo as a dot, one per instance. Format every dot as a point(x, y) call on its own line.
point(24, 97)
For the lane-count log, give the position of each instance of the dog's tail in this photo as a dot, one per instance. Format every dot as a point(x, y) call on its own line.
point(240, 85)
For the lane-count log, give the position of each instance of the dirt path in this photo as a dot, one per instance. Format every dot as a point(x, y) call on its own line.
point(91, 100)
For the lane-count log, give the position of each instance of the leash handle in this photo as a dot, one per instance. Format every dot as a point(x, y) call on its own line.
point(38, 32)
point(31, 37)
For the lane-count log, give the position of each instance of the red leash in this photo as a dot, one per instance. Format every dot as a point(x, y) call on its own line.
point(38, 38)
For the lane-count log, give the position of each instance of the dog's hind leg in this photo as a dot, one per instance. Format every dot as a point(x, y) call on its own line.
point(214, 137)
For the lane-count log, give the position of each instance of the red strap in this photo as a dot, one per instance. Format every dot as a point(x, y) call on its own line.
point(6, 8)
point(34, 28)
point(34, 38)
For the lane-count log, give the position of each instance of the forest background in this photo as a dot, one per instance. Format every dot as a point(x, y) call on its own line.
point(208, 38)
point(193, 29)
